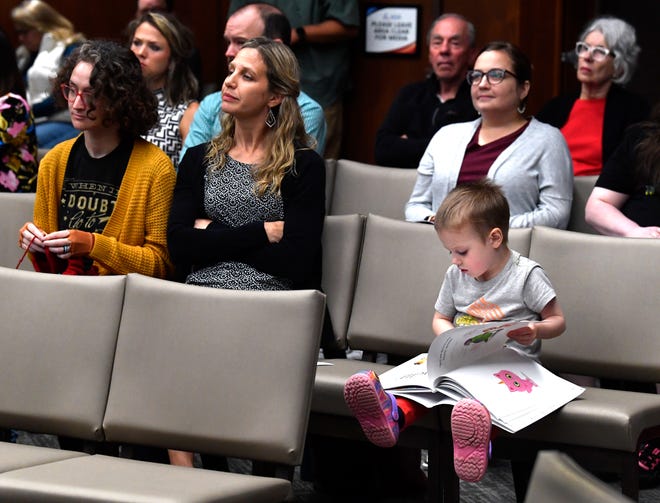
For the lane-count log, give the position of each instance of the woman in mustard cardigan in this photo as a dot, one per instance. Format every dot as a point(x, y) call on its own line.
point(103, 198)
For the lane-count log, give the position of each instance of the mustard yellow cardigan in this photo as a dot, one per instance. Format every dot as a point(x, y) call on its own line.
point(135, 237)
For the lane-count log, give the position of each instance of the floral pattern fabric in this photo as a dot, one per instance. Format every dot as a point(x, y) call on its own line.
point(18, 145)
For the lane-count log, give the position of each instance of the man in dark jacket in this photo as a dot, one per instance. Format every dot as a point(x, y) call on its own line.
point(420, 109)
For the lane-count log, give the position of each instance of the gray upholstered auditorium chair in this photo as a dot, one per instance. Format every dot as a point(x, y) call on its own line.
point(367, 188)
point(557, 477)
point(330, 170)
point(342, 243)
point(16, 209)
point(57, 346)
point(200, 369)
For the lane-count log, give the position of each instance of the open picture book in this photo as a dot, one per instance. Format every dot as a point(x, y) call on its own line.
point(475, 362)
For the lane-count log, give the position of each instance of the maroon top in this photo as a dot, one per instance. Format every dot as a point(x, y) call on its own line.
point(479, 158)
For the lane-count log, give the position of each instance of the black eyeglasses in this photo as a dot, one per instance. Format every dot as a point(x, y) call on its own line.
point(70, 94)
point(597, 52)
point(494, 76)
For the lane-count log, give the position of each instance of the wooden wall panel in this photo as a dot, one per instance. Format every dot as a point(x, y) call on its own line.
point(375, 82)
point(542, 28)
point(535, 26)
point(108, 19)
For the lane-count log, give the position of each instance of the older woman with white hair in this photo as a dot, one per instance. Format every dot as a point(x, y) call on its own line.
point(593, 121)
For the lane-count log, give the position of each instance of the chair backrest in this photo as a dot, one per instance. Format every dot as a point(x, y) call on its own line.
point(401, 271)
point(330, 170)
point(556, 477)
point(215, 371)
point(16, 209)
point(57, 349)
point(608, 288)
point(582, 187)
point(366, 188)
point(342, 242)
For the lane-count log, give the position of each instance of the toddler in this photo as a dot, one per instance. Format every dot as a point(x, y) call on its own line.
point(487, 281)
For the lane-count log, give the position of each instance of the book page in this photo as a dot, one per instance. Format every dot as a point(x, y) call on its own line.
point(410, 374)
point(516, 390)
point(463, 345)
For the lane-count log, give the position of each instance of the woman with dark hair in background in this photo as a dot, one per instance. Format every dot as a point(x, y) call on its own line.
point(527, 158)
point(163, 45)
point(626, 198)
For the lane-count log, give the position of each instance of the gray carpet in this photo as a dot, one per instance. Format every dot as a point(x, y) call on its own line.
point(496, 487)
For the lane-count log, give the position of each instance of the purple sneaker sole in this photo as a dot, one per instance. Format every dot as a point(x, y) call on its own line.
point(363, 395)
point(470, 429)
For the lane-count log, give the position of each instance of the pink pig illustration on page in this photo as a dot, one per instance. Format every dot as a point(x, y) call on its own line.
point(515, 382)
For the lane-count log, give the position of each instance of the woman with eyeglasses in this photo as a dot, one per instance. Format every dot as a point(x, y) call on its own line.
point(527, 158)
point(46, 38)
point(103, 198)
point(594, 119)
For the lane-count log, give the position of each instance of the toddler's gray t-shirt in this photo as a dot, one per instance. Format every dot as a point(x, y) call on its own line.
point(519, 292)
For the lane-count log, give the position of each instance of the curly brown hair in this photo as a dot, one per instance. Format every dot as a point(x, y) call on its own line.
point(117, 78)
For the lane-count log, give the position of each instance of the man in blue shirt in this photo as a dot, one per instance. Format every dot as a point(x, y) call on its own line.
point(251, 21)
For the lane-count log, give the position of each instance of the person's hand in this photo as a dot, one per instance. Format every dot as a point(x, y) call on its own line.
point(69, 243)
point(202, 223)
point(274, 230)
point(644, 232)
point(524, 335)
point(31, 237)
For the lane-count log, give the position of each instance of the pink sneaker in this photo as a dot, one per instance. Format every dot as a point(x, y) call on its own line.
point(470, 430)
point(374, 408)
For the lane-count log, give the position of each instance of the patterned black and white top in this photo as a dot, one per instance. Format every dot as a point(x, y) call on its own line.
point(229, 198)
point(236, 233)
point(166, 133)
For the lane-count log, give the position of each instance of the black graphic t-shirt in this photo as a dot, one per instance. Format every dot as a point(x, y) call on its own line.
point(91, 186)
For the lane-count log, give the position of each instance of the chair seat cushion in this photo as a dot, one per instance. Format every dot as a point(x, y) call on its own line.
point(17, 456)
point(599, 418)
point(104, 478)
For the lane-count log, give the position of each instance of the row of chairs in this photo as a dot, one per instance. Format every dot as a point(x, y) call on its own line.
point(355, 187)
point(410, 254)
point(351, 188)
point(137, 360)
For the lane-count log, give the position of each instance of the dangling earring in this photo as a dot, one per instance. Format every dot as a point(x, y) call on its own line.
point(270, 119)
point(521, 108)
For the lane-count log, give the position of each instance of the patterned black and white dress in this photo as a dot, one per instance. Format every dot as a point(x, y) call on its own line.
point(166, 133)
point(229, 198)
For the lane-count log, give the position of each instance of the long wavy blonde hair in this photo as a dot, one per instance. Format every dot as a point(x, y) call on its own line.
point(40, 16)
point(283, 75)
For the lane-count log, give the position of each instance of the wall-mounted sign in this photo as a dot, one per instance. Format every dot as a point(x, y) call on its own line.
point(392, 30)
